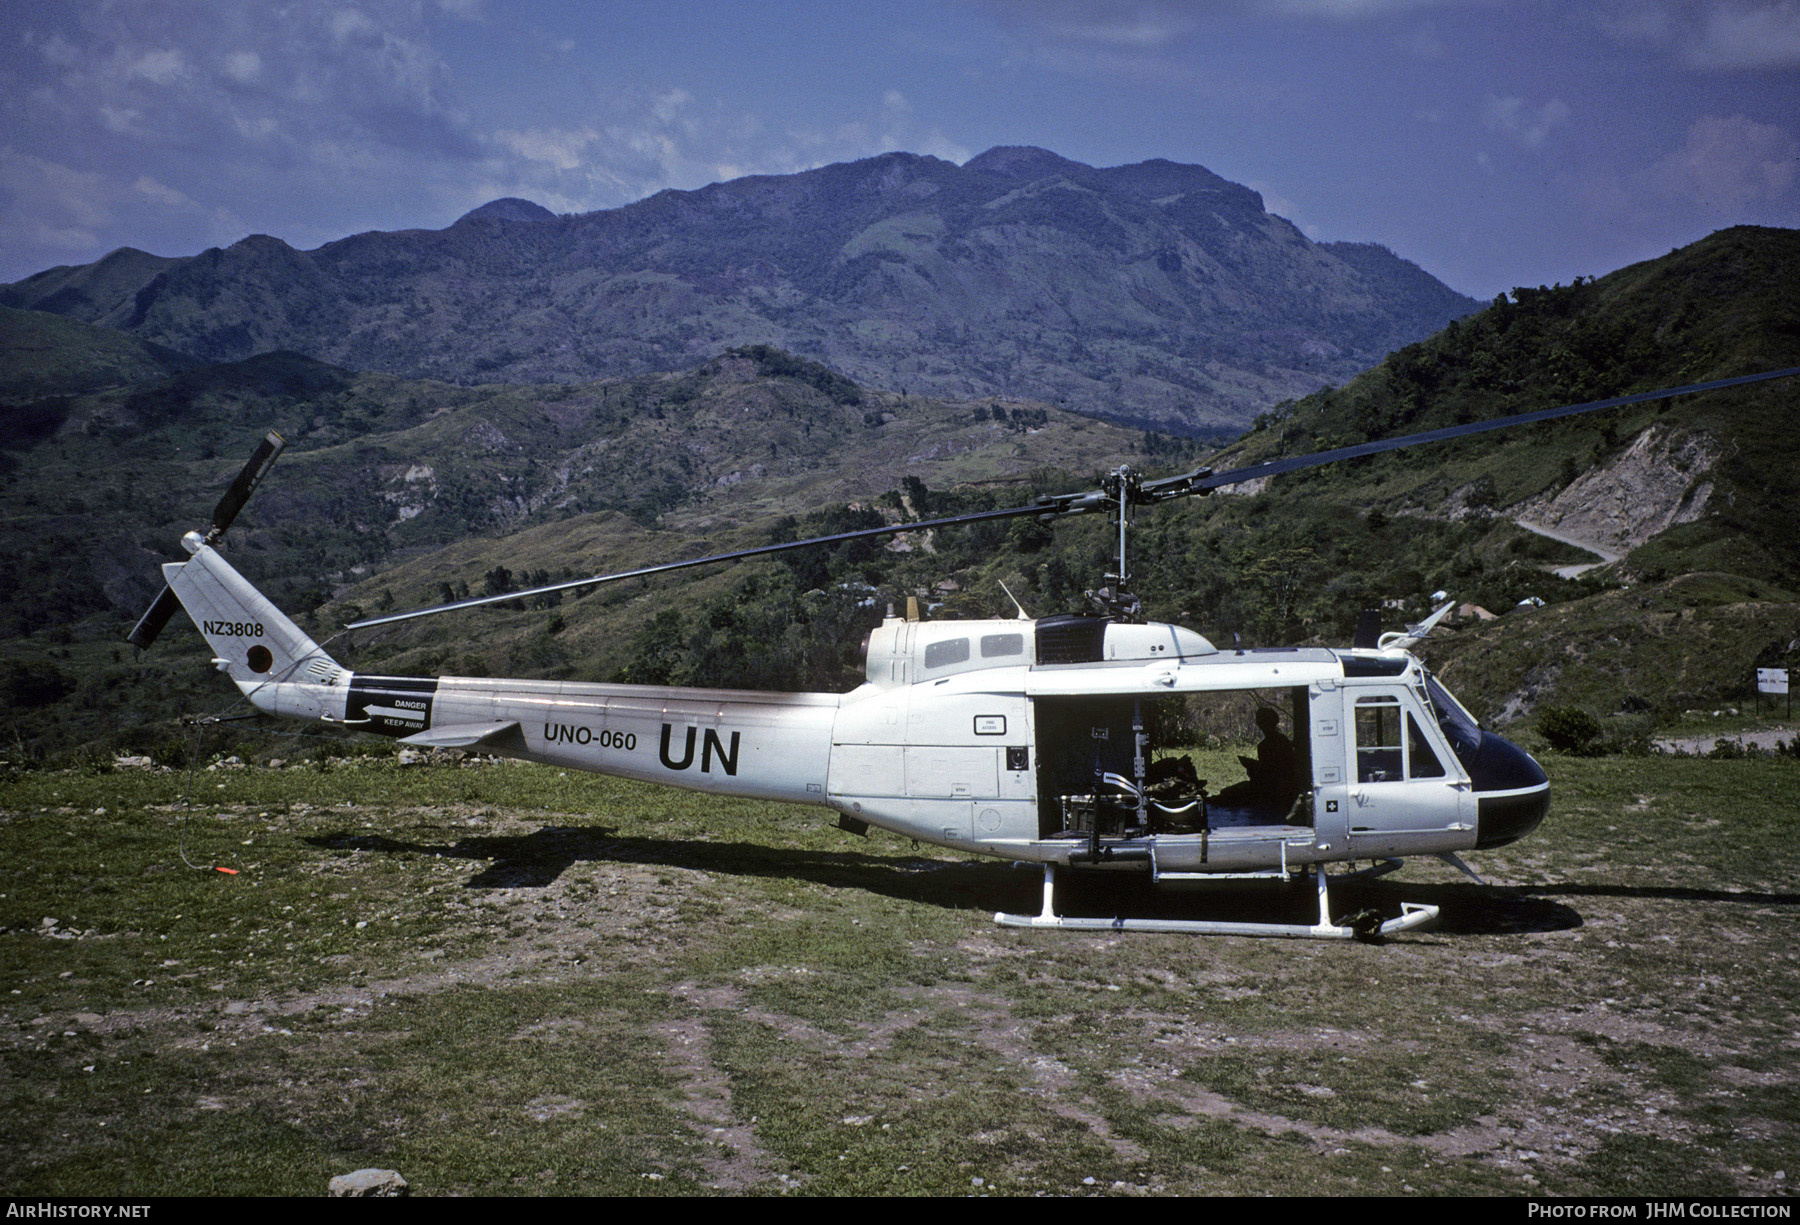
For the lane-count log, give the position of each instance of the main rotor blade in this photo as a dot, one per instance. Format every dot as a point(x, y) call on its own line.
point(1201, 480)
point(1198, 481)
point(248, 478)
point(891, 529)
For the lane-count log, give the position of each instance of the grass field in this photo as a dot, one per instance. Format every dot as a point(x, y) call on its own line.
point(501, 979)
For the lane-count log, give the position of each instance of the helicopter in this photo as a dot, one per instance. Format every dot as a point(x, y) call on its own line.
point(1030, 739)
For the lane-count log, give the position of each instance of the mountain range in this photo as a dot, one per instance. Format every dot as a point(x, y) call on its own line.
point(399, 491)
point(1154, 294)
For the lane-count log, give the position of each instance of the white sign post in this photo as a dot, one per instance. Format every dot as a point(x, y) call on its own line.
point(1774, 681)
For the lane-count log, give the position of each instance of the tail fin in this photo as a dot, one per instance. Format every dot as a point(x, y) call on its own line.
point(274, 662)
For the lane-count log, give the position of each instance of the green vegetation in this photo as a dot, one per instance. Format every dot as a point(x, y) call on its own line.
point(779, 364)
point(1724, 306)
point(1570, 729)
point(435, 492)
point(45, 358)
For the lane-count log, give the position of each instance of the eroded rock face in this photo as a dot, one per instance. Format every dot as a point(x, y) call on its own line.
point(1661, 480)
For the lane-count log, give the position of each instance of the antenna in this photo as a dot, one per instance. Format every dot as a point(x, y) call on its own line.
point(1023, 615)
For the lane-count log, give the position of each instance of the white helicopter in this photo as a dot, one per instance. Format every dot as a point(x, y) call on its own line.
point(1028, 739)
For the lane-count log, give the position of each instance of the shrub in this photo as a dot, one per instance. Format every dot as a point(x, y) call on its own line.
point(1570, 729)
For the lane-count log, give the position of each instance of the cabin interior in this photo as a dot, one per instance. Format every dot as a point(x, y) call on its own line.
point(1123, 767)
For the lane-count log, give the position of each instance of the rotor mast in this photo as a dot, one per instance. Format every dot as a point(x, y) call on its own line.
point(1123, 489)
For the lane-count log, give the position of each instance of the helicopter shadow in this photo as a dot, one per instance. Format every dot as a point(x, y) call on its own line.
point(538, 859)
point(1464, 908)
point(1670, 893)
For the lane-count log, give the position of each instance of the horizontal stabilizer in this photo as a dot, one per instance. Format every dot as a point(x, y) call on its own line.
point(499, 736)
point(151, 623)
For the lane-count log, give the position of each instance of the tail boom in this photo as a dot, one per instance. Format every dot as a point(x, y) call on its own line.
point(758, 745)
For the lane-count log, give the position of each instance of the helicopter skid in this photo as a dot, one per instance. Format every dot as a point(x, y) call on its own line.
point(1413, 917)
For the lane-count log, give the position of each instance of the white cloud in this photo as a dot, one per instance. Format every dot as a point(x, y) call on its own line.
point(935, 144)
point(1148, 24)
point(668, 106)
point(55, 49)
point(162, 193)
point(1129, 24)
point(294, 114)
point(52, 205)
point(257, 128)
point(1523, 123)
point(1715, 35)
point(160, 67)
point(674, 138)
point(561, 149)
point(1729, 164)
point(364, 73)
point(1349, 10)
point(1278, 204)
point(1748, 36)
point(244, 67)
point(1425, 43)
point(347, 23)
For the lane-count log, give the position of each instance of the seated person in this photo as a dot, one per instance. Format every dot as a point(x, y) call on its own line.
point(1274, 772)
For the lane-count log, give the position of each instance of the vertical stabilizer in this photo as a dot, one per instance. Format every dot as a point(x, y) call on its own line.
point(275, 663)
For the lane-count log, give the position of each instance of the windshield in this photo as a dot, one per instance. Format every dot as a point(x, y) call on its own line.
point(1459, 725)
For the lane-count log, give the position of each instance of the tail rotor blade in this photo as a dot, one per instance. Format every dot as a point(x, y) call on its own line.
point(151, 623)
point(245, 484)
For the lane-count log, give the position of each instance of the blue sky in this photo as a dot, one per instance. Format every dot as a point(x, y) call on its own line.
point(1494, 142)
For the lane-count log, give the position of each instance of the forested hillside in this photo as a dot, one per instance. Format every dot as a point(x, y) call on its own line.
point(398, 493)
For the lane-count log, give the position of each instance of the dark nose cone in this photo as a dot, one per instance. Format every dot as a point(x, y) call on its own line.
point(1512, 793)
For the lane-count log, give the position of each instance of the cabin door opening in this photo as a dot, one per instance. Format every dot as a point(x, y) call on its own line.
point(1124, 767)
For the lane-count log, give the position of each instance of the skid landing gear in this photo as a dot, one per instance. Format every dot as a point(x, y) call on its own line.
point(1413, 916)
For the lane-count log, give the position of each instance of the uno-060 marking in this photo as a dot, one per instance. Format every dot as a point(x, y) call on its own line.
point(567, 733)
point(233, 629)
